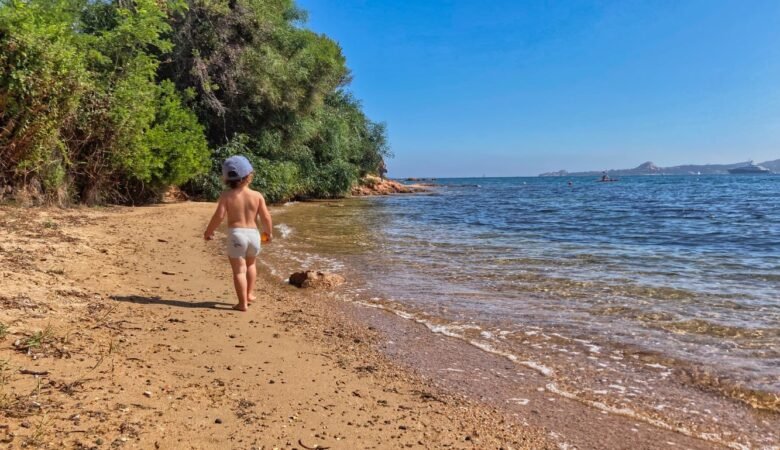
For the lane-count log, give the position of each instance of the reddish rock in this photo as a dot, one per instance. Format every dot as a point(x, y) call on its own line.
point(174, 195)
point(373, 185)
point(315, 279)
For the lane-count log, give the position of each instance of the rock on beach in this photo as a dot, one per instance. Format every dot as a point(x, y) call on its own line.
point(373, 185)
point(315, 279)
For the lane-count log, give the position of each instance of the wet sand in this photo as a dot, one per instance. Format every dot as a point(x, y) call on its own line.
point(120, 334)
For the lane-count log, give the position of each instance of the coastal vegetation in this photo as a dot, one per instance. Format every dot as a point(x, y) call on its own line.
point(116, 101)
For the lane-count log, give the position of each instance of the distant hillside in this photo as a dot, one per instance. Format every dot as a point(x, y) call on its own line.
point(649, 168)
point(774, 166)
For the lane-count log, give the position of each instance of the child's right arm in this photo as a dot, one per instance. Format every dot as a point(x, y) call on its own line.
point(265, 218)
point(216, 219)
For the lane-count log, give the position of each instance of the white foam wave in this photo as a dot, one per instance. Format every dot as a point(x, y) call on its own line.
point(709, 437)
point(450, 330)
point(284, 230)
point(271, 269)
point(656, 366)
point(369, 305)
point(541, 368)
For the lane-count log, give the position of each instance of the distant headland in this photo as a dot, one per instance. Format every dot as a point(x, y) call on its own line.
point(649, 168)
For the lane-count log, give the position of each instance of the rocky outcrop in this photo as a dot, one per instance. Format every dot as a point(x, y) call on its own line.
point(316, 280)
point(648, 167)
point(174, 195)
point(373, 185)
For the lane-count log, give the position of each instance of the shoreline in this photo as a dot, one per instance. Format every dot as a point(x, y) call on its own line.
point(545, 357)
point(374, 349)
point(119, 334)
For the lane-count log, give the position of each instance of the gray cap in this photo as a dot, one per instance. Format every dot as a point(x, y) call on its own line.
point(236, 167)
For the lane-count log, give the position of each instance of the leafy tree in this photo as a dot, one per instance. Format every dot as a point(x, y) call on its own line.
point(134, 137)
point(87, 111)
point(83, 113)
point(42, 79)
point(259, 75)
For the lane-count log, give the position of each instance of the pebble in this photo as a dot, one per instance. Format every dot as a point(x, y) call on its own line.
point(148, 393)
point(218, 420)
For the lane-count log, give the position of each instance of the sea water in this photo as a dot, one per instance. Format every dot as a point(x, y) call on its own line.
point(673, 281)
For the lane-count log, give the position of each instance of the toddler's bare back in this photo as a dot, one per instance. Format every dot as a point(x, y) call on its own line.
point(243, 206)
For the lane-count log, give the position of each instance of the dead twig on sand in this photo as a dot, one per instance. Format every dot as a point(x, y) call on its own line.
point(316, 447)
point(33, 372)
point(102, 321)
point(69, 388)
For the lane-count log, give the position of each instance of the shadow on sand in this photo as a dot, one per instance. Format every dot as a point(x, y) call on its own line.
point(178, 303)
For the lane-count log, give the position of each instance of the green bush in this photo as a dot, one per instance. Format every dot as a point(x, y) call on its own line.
point(42, 78)
point(177, 146)
point(104, 101)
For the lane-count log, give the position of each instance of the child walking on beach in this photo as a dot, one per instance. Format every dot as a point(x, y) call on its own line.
point(242, 206)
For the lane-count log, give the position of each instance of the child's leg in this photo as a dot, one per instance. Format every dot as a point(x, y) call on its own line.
point(240, 282)
point(251, 276)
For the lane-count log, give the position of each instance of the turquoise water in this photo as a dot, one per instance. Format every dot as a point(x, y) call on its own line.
point(693, 256)
point(679, 275)
point(706, 236)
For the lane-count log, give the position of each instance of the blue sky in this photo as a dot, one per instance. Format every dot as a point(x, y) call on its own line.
point(506, 88)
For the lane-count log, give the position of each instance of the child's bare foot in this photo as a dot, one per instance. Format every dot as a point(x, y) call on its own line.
point(251, 298)
point(239, 307)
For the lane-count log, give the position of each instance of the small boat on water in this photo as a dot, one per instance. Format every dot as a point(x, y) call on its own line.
point(607, 179)
point(750, 169)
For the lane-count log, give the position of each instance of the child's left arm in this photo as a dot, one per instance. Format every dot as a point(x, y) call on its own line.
point(216, 219)
point(265, 218)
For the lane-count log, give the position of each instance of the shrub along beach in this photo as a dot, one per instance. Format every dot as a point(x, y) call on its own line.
point(117, 101)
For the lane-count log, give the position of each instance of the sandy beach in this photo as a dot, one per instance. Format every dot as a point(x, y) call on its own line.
point(117, 333)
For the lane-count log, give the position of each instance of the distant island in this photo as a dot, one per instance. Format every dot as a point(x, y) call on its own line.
point(649, 168)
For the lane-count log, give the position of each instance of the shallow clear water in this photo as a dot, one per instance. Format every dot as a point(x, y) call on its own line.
point(675, 272)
